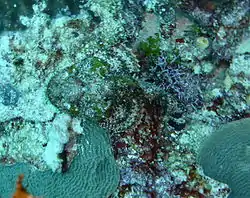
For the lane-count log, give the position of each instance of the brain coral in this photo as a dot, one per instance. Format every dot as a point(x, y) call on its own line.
point(92, 174)
point(225, 156)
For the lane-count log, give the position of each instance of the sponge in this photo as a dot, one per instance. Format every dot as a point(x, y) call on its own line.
point(225, 156)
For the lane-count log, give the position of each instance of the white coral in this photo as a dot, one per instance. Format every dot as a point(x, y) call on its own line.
point(58, 136)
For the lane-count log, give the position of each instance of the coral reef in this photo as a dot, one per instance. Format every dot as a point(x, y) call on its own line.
point(93, 172)
point(225, 156)
point(160, 76)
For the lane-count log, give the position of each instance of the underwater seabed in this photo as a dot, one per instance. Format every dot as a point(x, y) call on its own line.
point(121, 98)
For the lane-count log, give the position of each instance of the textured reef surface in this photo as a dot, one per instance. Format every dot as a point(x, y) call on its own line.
point(125, 98)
